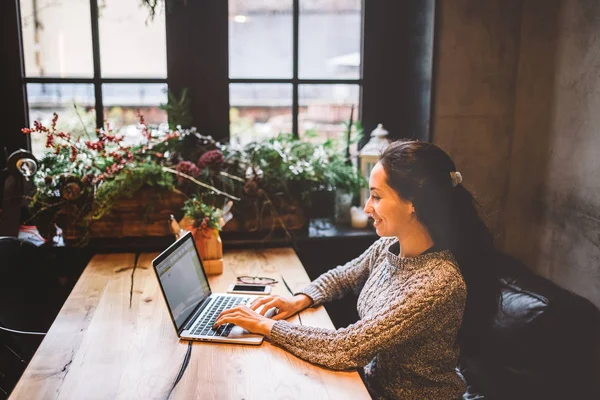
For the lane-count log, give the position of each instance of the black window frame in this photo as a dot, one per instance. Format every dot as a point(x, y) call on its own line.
point(395, 83)
point(295, 80)
point(97, 80)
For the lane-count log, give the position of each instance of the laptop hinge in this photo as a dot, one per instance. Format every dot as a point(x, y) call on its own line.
point(191, 319)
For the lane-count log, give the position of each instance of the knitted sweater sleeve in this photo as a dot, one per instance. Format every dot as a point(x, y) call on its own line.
point(428, 305)
point(335, 283)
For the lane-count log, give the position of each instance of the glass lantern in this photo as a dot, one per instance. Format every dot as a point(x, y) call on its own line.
point(369, 156)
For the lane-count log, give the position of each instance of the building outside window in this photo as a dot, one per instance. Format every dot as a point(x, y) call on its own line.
point(294, 66)
point(76, 67)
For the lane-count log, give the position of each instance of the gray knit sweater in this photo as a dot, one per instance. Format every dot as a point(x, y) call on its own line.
point(410, 311)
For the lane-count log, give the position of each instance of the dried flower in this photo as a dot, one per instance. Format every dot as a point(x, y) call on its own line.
point(188, 168)
point(144, 126)
point(73, 153)
point(211, 159)
point(70, 191)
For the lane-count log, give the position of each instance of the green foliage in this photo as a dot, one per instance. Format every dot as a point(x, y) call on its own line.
point(359, 132)
point(203, 215)
point(345, 176)
point(285, 161)
point(79, 181)
point(129, 182)
point(178, 109)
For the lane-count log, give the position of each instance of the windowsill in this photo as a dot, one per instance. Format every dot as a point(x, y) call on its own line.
point(317, 231)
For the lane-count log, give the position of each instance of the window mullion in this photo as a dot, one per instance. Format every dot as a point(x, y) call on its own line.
point(295, 51)
point(13, 87)
point(96, 59)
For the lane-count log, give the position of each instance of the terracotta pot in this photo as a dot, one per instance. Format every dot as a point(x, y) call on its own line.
point(210, 247)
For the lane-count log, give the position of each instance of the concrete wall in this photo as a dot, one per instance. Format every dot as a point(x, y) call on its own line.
point(517, 105)
point(554, 199)
point(475, 59)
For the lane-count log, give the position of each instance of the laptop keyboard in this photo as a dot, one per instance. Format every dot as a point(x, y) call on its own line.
point(205, 326)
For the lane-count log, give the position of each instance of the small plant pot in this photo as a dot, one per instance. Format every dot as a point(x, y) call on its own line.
point(210, 247)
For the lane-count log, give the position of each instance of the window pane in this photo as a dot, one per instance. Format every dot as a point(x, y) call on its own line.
point(57, 38)
point(329, 39)
point(260, 39)
point(123, 101)
point(74, 104)
point(259, 110)
point(131, 45)
point(324, 111)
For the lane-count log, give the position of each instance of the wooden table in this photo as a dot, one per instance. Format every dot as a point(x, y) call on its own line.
point(113, 339)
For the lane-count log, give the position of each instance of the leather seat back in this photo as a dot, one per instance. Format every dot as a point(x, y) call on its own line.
point(543, 343)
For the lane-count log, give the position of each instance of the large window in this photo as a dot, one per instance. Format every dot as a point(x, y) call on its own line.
point(253, 68)
point(91, 62)
point(294, 66)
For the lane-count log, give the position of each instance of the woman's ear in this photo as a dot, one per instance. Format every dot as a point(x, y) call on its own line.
point(413, 213)
point(411, 207)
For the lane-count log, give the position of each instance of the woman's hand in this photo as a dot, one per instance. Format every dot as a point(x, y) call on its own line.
point(246, 318)
point(287, 306)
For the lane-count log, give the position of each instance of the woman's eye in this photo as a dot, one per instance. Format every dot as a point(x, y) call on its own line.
point(375, 197)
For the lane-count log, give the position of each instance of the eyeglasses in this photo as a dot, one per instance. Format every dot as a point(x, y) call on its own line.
point(256, 280)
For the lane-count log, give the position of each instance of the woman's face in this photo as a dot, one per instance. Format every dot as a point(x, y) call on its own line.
point(392, 215)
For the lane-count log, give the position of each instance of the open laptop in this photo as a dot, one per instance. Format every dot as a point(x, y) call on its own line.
point(192, 305)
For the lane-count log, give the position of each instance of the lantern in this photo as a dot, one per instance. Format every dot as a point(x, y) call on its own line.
point(369, 156)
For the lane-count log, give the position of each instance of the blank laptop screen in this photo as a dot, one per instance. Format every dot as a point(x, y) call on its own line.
point(183, 281)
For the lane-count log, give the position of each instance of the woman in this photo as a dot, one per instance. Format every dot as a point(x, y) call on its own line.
point(413, 284)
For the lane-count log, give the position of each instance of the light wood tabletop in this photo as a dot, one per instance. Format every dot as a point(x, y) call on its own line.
point(114, 339)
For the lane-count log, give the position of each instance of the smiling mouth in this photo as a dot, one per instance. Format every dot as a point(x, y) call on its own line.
point(376, 221)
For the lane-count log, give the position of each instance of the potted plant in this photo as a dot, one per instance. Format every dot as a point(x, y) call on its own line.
point(105, 186)
point(205, 221)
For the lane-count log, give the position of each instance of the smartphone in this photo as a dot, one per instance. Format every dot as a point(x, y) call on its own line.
point(249, 289)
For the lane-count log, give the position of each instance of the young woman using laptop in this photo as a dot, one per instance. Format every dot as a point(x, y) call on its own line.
point(413, 283)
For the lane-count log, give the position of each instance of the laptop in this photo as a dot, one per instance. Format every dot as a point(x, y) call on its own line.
point(193, 307)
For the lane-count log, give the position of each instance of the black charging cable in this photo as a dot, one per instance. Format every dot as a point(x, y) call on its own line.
point(184, 365)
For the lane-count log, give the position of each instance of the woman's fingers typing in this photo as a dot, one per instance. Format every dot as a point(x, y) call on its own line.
point(281, 315)
point(260, 301)
point(267, 306)
point(244, 317)
point(263, 306)
point(229, 315)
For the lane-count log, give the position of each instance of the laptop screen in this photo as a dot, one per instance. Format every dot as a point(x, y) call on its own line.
point(182, 279)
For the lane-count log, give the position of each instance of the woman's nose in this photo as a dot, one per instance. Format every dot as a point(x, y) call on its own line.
point(368, 207)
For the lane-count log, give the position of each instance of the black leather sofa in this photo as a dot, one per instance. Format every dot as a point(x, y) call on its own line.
point(543, 343)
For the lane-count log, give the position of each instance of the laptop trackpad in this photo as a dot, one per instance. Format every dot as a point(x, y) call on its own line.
point(238, 332)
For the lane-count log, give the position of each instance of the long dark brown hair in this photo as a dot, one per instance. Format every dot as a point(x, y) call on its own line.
point(421, 173)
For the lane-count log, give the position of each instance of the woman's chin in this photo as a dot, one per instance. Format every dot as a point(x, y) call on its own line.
point(380, 231)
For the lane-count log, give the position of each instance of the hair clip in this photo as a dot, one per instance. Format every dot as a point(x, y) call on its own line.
point(456, 178)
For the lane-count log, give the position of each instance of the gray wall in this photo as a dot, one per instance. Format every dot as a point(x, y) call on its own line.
point(554, 196)
point(475, 60)
point(518, 107)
